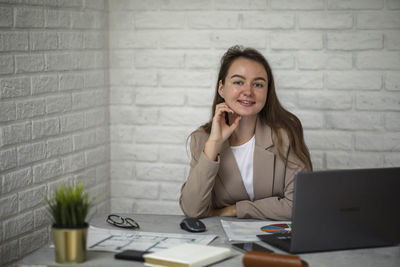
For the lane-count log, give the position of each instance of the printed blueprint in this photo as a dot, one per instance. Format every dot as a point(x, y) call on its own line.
point(118, 240)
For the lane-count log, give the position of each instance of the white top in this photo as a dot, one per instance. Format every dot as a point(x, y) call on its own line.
point(244, 155)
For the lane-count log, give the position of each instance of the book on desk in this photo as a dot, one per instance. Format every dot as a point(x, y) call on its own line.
point(187, 255)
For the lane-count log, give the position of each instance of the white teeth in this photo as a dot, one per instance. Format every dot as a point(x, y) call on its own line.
point(245, 102)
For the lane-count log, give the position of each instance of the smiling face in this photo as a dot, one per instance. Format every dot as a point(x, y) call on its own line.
point(245, 87)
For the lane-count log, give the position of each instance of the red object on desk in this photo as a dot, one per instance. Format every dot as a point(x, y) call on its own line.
point(262, 259)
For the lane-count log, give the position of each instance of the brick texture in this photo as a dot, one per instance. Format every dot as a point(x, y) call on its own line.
point(53, 113)
point(107, 92)
point(336, 66)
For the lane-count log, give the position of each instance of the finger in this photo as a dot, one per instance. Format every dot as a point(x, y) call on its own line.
point(231, 128)
point(221, 112)
point(224, 107)
point(223, 104)
point(235, 123)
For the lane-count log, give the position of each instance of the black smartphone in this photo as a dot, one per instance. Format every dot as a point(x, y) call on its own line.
point(250, 246)
point(227, 118)
point(131, 255)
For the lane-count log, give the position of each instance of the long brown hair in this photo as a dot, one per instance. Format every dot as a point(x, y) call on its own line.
point(272, 113)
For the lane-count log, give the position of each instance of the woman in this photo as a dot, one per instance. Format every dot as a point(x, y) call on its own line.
point(245, 158)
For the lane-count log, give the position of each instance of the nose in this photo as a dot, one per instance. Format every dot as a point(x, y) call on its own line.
point(247, 89)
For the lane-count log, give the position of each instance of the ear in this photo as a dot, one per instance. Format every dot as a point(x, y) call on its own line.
point(221, 89)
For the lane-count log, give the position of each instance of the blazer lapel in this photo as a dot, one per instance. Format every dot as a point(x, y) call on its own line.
point(229, 170)
point(264, 162)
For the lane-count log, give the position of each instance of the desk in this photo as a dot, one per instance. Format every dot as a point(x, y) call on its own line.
point(384, 256)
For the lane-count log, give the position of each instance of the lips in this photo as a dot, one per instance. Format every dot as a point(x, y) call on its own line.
point(246, 102)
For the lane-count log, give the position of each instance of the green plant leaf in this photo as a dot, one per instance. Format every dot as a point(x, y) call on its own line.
point(69, 206)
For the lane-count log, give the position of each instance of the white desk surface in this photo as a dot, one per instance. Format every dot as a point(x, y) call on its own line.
point(383, 256)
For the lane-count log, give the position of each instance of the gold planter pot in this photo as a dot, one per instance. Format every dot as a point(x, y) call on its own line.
point(70, 244)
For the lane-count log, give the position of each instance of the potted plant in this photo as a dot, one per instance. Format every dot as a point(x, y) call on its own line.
point(69, 207)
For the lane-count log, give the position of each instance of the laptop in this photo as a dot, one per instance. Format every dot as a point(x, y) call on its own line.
point(342, 209)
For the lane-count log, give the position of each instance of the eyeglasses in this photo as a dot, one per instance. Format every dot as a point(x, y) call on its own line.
point(123, 222)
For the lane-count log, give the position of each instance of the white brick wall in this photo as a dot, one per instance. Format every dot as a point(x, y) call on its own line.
point(78, 75)
point(53, 113)
point(336, 64)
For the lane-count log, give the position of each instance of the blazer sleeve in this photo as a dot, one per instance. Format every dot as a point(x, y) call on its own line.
point(276, 207)
point(196, 192)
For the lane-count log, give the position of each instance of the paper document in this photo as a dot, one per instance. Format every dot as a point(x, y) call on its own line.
point(248, 231)
point(118, 240)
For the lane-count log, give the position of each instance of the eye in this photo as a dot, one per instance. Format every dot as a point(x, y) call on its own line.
point(238, 82)
point(258, 85)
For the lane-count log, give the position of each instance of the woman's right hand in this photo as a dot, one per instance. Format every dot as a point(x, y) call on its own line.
point(220, 131)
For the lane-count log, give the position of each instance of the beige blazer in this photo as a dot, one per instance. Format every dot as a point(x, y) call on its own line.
point(217, 184)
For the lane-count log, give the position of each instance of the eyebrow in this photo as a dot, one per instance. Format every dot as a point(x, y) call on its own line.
point(242, 77)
